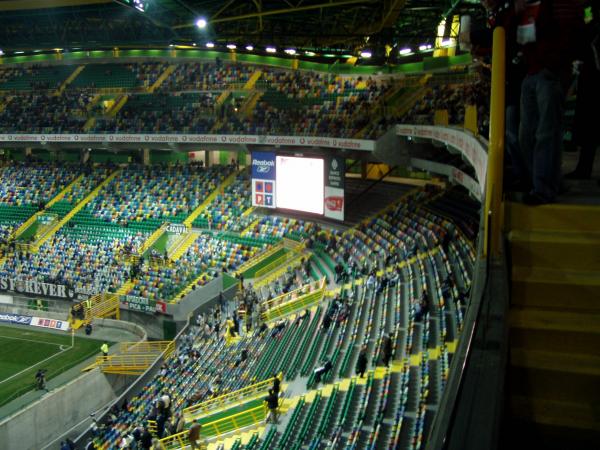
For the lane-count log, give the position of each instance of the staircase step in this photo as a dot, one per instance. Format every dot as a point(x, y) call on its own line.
point(555, 249)
point(558, 341)
point(555, 217)
point(541, 319)
point(555, 413)
point(555, 361)
point(555, 288)
point(553, 385)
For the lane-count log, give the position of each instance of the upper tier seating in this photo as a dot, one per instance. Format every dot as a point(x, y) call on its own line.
point(161, 113)
point(114, 75)
point(193, 76)
point(25, 78)
point(41, 112)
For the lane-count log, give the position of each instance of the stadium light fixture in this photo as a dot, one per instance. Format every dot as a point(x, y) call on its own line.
point(405, 51)
point(422, 48)
point(290, 51)
point(446, 43)
point(271, 49)
point(210, 45)
point(201, 23)
point(310, 53)
point(18, 52)
point(1, 53)
point(249, 48)
point(366, 54)
point(231, 46)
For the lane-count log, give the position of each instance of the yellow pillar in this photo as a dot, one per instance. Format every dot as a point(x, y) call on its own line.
point(295, 64)
point(493, 187)
point(471, 119)
point(233, 55)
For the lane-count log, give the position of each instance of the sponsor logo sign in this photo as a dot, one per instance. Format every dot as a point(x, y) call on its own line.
point(263, 179)
point(50, 323)
point(15, 318)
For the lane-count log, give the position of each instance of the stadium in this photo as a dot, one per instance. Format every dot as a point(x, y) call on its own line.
point(303, 224)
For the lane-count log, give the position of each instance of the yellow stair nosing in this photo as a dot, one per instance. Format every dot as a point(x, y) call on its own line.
point(558, 237)
point(555, 413)
point(555, 361)
point(552, 320)
point(552, 275)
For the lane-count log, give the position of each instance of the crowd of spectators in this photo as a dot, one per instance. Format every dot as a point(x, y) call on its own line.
point(88, 265)
point(42, 112)
point(207, 76)
point(155, 192)
point(206, 258)
point(33, 183)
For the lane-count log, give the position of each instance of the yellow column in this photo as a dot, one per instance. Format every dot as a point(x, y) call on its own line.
point(493, 188)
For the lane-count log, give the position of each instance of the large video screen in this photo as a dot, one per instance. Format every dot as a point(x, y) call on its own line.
point(300, 184)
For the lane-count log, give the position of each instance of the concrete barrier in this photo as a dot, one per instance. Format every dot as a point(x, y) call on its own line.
point(40, 422)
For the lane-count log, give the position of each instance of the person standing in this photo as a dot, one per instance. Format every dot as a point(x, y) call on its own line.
point(194, 436)
point(361, 363)
point(548, 37)
point(273, 404)
point(386, 350)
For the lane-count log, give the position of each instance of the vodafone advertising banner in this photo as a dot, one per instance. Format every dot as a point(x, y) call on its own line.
point(334, 188)
point(294, 141)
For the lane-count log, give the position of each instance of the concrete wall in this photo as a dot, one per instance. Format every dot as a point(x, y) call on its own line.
point(39, 423)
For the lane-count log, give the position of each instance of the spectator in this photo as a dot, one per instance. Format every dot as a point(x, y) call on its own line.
point(273, 404)
point(322, 370)
point(361, 363)
point(386, 350)
point(549, 51)
point(196, 442)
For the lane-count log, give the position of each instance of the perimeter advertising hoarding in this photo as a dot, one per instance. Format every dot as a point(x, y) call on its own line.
point(334, 201)
point(263, 179)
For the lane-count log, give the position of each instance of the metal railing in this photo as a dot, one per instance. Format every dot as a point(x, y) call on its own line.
point(217, 428)
point(192, 412)
point(288, 304)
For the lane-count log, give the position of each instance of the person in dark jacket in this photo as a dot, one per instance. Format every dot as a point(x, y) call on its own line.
point(386, 350)
point(273, 404)
point(361, 363)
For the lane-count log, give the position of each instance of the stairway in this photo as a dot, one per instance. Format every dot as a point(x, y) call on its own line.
point(160, 80)
point(219, 189)
point(252, 80)
point(75, 210)
point(70, 79)
point(554, 372)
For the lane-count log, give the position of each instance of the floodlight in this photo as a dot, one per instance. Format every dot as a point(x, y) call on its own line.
point(201, 23)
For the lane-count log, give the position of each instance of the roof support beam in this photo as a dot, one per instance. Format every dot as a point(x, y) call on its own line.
point(274, 12)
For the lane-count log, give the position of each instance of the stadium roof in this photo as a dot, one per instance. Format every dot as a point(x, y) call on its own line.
point(322, 25)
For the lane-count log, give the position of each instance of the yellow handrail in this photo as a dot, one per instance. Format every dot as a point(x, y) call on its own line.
point(292, 254)
point(293, 295)
point(493, 187)
point(227, 399)
point(216, 428)
point(258, 258)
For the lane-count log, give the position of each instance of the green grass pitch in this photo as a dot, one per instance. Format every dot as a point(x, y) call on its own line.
point(24, 350)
